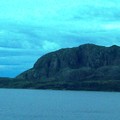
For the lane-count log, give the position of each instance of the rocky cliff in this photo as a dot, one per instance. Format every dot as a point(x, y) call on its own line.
point(86, 62)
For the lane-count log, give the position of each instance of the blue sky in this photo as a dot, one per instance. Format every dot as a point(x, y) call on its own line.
point(31, 28)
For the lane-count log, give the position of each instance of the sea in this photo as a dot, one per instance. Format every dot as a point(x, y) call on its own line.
point(22, 104)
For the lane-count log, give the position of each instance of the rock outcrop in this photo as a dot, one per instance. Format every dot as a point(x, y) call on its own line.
point(86, 62)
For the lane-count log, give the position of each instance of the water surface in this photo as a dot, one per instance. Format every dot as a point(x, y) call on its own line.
point(17, 104)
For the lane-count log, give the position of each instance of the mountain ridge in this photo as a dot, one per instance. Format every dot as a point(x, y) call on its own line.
point(86, 67)
point(87, 56)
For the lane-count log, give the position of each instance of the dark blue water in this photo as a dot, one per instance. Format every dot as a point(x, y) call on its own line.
point(58, 105)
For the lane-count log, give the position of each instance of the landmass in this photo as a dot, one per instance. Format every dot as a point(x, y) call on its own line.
point(87, 67)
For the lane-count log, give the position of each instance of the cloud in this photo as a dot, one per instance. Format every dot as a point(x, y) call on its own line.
point(11, 65)
point(34, 27)
point(12, 70)
point(52, 12)
point(112, 26)
point(49, 45)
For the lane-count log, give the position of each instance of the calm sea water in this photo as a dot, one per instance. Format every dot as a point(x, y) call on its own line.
point(58, 105)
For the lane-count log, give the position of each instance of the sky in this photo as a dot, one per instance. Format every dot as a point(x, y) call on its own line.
point(32, 28)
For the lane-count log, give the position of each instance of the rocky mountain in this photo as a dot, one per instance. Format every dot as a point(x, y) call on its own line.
point(87, 61)
point(89, 67)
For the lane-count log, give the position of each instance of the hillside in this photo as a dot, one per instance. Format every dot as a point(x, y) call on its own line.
point(87, 67)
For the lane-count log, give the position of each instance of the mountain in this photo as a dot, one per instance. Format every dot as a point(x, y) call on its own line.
point(87, 67)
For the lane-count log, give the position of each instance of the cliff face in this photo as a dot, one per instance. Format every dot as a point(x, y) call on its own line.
point(86, 62)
